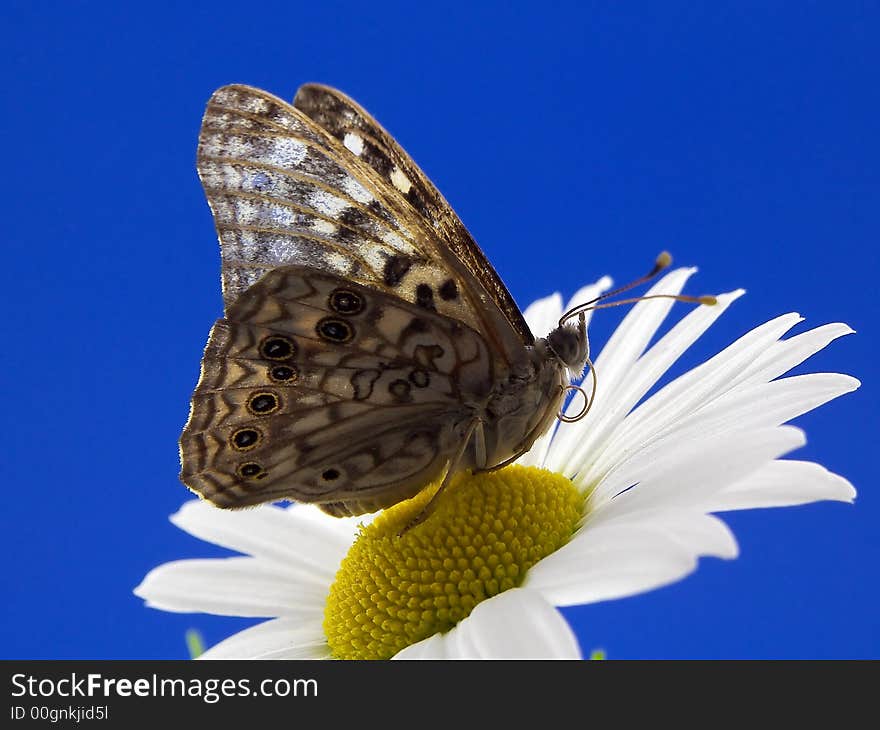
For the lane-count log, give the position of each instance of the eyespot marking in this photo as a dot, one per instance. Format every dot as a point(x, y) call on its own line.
point(420, 378)
point(344, 301)
point(251, 470)
point(276, 347)
point(330, 475)
point(245, 439)
point(333, 329)
point(283, 373)
point(263, 403)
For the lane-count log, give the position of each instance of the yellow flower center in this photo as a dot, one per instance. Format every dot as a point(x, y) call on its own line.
point(485, 532)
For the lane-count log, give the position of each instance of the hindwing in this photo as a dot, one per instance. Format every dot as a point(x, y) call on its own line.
point(318, 389)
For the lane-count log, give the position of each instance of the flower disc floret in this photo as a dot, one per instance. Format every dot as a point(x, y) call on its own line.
point(485, 532)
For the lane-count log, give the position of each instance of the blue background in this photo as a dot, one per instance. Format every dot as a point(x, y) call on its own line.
point(574, 140)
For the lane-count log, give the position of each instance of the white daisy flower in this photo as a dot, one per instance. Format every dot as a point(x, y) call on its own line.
point(615, 504)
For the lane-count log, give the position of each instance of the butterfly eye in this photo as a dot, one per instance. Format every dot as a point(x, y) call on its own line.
point(335, 330)
point(251, 470)
point(245, 439)
point(263, 403)
point(344, 301)
point(277, 348)
point(283, 373)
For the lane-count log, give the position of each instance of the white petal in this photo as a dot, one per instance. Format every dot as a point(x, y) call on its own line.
point(749, 408)
point(300, 537)
point(682, 472)
point(587, 294)
point(516, 624)
point(543, 315)
point(613, 367)
point(643, 375)
point(537, 455)
point(622, 558)
point(676, 402)
point(434, 647)
point(782, 484)
point(782, 356)
point(280, 638)
point(231, 587)
point(769, 404)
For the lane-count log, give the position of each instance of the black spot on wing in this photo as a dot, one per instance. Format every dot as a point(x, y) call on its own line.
point(377, 159)
point(425, 297)
point(448, 290)
point(395, 269)
point(416, 201)
point(416, 326)
point(353, 217)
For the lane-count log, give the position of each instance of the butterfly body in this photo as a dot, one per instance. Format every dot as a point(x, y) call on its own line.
point(367, 346)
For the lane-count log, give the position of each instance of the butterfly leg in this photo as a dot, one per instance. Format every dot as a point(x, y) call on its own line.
point(506, 462)
point(474, 427)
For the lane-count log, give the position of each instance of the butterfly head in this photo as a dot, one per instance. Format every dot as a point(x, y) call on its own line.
point(570, 346)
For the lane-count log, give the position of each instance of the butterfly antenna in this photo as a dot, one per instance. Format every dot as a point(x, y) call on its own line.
point(588, 401)
point(663, 262)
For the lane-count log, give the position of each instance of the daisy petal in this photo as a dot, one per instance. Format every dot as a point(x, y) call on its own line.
point(516, 624)
point(543, 315)
point(266, 532)
point(753, 407)
point(587, 294)
point(231, 587)
point(650, 368)
point(536, 456)
point(770, 404)
point(434, 647)
point(689, 471)
point(613, 366)
point(782, 484)
point(782, 356)
point(693, 391)
point(626, 557)
point(280, 638)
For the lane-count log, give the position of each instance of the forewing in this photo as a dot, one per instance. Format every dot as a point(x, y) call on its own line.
point(317, 389)
point(364, 137)
point(284, 190)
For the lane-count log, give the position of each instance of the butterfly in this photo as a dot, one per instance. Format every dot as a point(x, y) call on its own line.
point(367, 346)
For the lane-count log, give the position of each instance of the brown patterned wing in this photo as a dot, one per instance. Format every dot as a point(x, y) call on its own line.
point(285, 190)
point(364, 137)
point(317, 389)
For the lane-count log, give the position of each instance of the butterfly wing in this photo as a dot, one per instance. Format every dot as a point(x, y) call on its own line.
point(362, 135)
point(285, 188)
point(317, 389)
